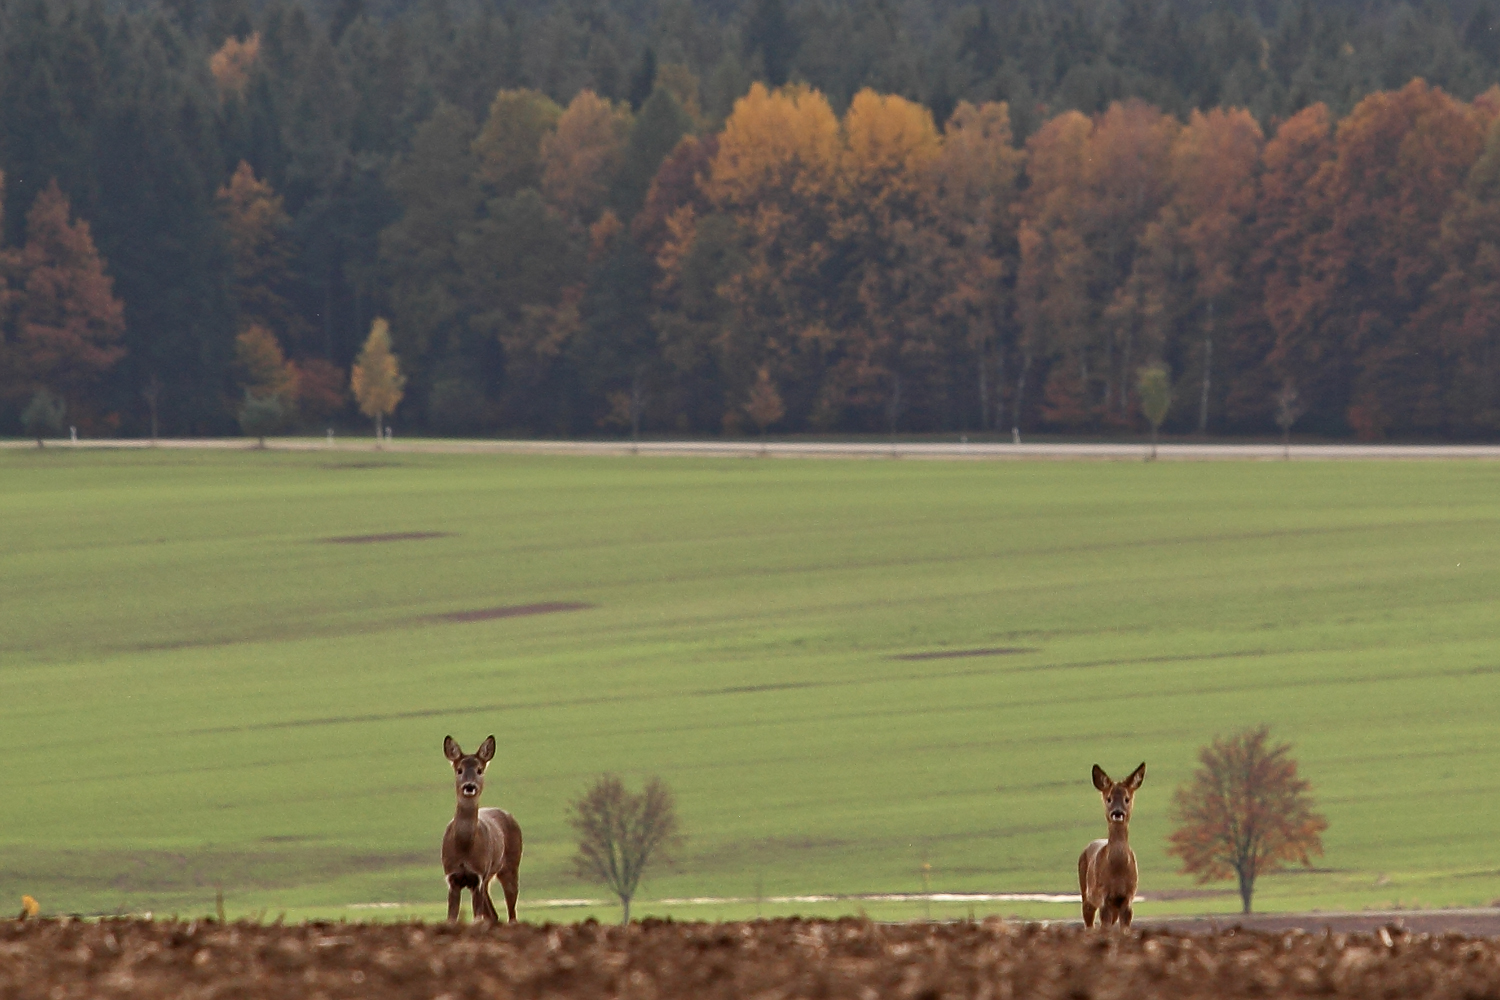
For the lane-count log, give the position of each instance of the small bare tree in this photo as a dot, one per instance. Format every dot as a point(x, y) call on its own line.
point(1154, 385)
point(1289, 407)
point(1244, 813)
point(620, 834)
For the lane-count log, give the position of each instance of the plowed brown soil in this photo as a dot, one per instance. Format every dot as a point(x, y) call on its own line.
point(54, 960)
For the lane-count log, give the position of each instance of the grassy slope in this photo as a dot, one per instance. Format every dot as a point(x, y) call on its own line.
point(195, 690)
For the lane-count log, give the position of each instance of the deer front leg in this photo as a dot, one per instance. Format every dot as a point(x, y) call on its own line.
point(1126, 912)
point(455, 894)
point(1088, 913)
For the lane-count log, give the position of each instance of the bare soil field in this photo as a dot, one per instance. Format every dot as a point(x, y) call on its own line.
point(58, 960)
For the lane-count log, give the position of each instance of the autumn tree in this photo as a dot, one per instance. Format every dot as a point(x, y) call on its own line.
point(1191, 268)
point(1095, 187)
point(764, 406)
point(969, 233)
point(1292, 214)
point(775, 176)
point(64, 324)
point(621, 834)
point(1465, 303)
point(1244, 813)
point(581, 157)
point(376, 378)
point(232, 63)
point(257, 225)
point(1399, 158)
point(268, 383)
point(1153, 385)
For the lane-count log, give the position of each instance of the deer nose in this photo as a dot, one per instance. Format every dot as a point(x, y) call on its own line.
point(469, 788)
point(1117, 814)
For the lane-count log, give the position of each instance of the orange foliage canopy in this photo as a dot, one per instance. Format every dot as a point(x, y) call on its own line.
point(1244, 812)
point(59, 302)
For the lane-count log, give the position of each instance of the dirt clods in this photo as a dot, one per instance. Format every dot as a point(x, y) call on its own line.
point(56, 960)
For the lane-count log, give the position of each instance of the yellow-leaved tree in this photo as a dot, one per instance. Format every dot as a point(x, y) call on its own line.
point(376, 378)
point(775, 175)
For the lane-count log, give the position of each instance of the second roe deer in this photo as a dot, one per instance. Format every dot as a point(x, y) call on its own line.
point(1106, 868)
point(479, 844)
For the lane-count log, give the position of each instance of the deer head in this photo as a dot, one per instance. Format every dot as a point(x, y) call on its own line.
point(468, 768)
point(1118, 795)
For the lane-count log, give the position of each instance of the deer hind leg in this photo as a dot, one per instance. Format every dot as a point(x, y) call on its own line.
point(482, 899)
point(510, 881)
point(1126, 912)
point(1108, 914)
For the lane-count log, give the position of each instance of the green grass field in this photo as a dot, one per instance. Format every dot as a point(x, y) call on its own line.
point(198, 691)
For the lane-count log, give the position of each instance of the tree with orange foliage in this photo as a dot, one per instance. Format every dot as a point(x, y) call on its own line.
point(1465, 302)
point(581, 156)
point(231, 65)
point(775, 175)
point(1244, 813)
point(257, 225)
point(60, 306)
point(1095, 186)
point(1292, 213)
point(1191, 267)
point(882, 335)
point(970, 233)
point(1400, 157)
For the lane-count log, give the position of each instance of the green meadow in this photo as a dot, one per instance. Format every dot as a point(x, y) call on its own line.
point(201, 691)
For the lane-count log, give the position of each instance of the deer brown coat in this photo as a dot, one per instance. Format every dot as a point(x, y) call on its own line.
point(1107, 875)
point(479, 844)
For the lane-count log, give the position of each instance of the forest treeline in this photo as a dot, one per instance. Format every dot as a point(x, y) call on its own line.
point(787, 215)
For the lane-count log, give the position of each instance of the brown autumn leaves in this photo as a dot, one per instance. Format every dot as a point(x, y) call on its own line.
point(817, 271)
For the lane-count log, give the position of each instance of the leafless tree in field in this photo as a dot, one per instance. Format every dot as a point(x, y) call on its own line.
point(1289, 407)
point(1244, 812)
point(620, 834)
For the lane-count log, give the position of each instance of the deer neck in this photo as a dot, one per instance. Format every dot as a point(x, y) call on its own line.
point(1119, 833)
point(466, 821)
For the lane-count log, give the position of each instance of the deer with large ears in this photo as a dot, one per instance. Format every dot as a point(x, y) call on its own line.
point(479, 844)
point(1106, 868)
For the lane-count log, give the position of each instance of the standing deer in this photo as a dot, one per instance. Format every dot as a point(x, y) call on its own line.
point(1106, 868)
point(480, 844)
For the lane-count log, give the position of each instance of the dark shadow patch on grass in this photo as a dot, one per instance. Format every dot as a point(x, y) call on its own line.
point(757, 688)
point(512, 611)
point(394, 536)
point(961, 654)
point(360, 465)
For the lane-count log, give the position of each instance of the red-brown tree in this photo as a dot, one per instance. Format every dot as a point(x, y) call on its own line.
point(59, 304)
point(1244, 813)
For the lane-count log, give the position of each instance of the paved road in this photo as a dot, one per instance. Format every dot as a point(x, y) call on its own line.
point(954, 451)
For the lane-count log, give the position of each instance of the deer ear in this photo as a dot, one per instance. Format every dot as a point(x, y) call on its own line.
point(486, 751)
point(1136, 777)
point(1101, 780)
point(451, 750)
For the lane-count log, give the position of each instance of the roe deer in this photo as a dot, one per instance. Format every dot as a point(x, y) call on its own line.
point(480, 844)
point(1106, 868)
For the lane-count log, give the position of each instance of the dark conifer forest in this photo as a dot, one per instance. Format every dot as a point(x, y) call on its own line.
point(704, 217)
